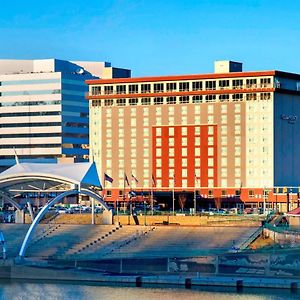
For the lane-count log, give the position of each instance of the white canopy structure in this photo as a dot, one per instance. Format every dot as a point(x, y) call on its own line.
point(61, 179)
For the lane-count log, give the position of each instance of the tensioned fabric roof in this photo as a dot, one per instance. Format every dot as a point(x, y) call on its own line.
point(75, 173)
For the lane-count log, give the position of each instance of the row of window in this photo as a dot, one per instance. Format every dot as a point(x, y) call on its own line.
point(29, 103)
point(183, 99)
point(162, 87)
point(44, 134)
point(42, 124)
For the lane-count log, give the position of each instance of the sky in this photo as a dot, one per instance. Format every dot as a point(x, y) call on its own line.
point(155, 37)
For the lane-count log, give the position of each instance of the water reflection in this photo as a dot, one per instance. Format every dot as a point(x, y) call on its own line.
point(33, 290)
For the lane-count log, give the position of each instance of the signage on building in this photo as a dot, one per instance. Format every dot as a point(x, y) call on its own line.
point(290, 118)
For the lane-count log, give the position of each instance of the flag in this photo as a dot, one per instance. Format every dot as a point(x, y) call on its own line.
point(134, 178)
point(126, 179)
point(108, 178)
point(153, 181)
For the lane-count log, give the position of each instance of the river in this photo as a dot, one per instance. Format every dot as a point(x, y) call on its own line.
point(55, 291)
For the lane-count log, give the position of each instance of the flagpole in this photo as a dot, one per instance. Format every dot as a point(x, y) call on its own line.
point(173, 194)
point(195, 207)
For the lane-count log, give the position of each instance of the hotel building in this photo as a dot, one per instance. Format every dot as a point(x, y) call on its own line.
point(43, 111)
point(231, 137)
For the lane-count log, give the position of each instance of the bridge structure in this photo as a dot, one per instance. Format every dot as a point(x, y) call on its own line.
point(58, 181)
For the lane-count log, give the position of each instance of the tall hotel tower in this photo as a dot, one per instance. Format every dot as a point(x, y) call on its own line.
point(43, 111)
point(231, 137)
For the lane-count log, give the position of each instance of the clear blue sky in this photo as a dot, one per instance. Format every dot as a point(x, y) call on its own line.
point(155, 37)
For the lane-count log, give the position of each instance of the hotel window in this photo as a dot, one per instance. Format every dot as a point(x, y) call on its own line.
point(210, 85)
point(251, 83)
point(184, 151)
point(224, 108)
point(237, 151)
point(184, 120)
point(158, 142)
point(223, 84)
point(133, 152)
point(237, 119)
point(158, 121)
point(121, 102)
point(237, 161)
point(237, 84)
point(237, 140)
point(210, 194)
point(146, 142)
point(197, 141)
point(171, 110)
point(210, 109)
point(171, 120)
point(108, 102)
point(197, 109)
point(184, 86)
point(197, 85)
point(108, 143)
point(171, 162)
point(171, 131)
point(133, 121)
point(184, 162)
point(224, 161)
point(237, 129)
point(210, 98)
point(158, 100)
point(184, 183)
point(223, 129)
point(121, 133)
point(197, 99)
point(265, 82)
point(158, 173)
point(133, 112)
point(158, 152)
point(171, 151)
point(171, 86)
point(171, 141)
point(133, 101)
point(210, 173)
point(223, 172)
point(121, 152)
point(184, 130)
point(146, 101)
point(237, 172)
point(108, 122)
point(197, 130)
point(146, 152)
point(96, 90)
point(121, 112)
point(197, 162)
point(237, 108)
point(171, 100)
point(121, 163)
point(251, 96)
point(197, 119)
point(108, 133)
point(158, 87)
point(224, 98)
point(210, 130)
point(210, 151)
point(265, 96)
point(197, 151)
point(158, 131)
point(223, 193)
point(184, 173)
point(145, 121)
point(108, 89)
point(133, 88)
point(251, 194)
point(184, 99)
point(223, 140)
point(121, 89)
point(237, 97)
point(145, 88)
point(223, 151)
point(184, 141)
point(108, 153)
point(210, 141)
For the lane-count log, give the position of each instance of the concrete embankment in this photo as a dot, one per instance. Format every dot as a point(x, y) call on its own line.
point(21, 272)
point(203, 220)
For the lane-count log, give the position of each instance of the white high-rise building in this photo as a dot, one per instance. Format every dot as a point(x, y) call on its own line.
point(43, 110)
